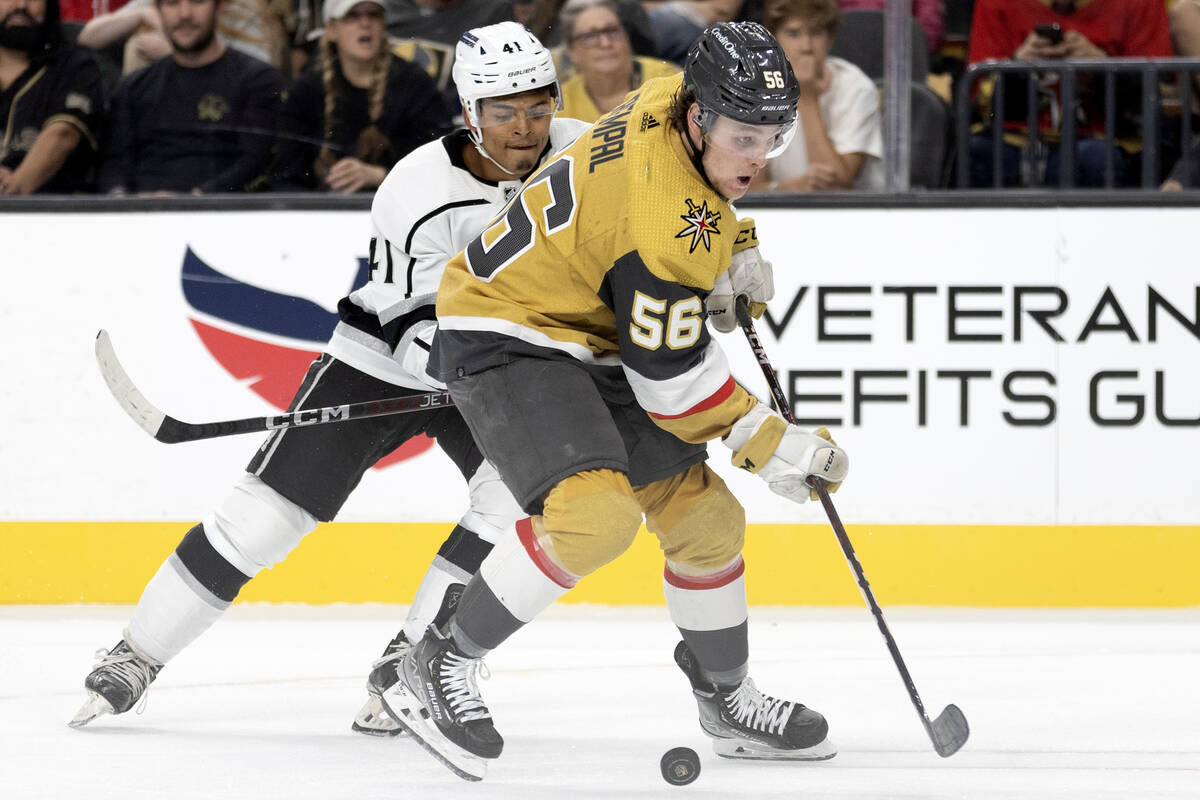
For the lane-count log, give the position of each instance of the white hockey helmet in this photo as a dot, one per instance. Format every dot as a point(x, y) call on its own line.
point(498, 60)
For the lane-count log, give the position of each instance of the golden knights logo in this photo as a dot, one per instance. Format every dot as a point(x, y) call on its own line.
point(701, 225)
point(212, 108)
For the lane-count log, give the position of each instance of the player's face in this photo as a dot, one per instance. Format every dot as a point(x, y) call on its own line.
point(190, 25)
point(734, 151)
point(22, 13)
point(359, 34)
point(516, 128)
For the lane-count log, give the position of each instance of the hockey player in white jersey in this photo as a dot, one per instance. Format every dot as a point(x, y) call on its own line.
point(430, 205)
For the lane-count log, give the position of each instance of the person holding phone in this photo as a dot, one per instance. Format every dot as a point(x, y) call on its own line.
point(1050, 30)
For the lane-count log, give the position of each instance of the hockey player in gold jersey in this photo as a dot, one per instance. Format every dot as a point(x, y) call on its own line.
point(572, 338)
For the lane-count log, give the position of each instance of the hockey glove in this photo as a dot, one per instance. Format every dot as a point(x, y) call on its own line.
point(784, 455)
point(749, 275)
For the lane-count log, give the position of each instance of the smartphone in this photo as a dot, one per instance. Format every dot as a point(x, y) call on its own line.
point(1051, 32)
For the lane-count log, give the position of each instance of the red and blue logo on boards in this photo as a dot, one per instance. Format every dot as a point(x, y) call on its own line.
point(234, 311)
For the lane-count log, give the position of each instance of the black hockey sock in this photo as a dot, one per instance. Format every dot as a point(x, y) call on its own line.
point(723, 655)
point(208, 567)
point(482, 623)
point(464, 549)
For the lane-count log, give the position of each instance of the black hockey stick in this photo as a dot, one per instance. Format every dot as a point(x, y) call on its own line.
point(170, 430)
point(949, 730)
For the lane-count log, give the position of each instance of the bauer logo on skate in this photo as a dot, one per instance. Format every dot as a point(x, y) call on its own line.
point(266, 339)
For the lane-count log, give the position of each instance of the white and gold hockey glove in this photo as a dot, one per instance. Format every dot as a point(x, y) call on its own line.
point(784, 455)
point(749, 275)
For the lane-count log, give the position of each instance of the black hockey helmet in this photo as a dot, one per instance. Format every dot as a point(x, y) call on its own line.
point(739, 71)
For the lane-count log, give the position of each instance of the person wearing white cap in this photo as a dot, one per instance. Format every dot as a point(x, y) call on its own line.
point(358, 110)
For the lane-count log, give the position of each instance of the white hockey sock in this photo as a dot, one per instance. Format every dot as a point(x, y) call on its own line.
point(174, 609)
point(428, 599)
point(515, 583)
point(710, 611)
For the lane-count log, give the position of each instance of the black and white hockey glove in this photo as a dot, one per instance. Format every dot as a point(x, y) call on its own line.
point(784, 455)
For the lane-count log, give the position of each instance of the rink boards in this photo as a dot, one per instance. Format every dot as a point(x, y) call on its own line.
point(1019, 392)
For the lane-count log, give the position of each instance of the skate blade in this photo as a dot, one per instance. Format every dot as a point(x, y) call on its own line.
point(732, 748)
point(410, 714)
point(373, 719)
point(94, 706)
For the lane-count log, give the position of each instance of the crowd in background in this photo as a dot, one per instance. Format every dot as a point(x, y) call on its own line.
point(201, 96)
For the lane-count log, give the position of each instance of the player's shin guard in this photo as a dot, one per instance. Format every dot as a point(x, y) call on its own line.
point(457, 561)
point(190, 591)
point(516, 582)
point(710, 612)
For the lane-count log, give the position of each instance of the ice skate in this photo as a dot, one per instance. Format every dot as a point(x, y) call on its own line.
point(745, 723)
point(115, 684)
point(372, 719)
point(437, 700)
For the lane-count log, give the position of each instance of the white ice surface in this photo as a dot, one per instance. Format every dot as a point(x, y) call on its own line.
point(1090, 704)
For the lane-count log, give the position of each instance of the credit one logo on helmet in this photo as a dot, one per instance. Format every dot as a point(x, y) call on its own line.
point(729, 46)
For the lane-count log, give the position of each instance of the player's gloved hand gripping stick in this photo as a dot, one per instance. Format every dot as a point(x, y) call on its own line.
point(949, 730)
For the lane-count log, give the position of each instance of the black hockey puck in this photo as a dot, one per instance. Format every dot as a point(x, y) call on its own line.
point(680, 766)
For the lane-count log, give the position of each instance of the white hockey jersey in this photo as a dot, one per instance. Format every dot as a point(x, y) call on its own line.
point(426, 210)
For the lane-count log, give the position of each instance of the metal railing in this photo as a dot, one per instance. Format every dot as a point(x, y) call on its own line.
point(1150, 71)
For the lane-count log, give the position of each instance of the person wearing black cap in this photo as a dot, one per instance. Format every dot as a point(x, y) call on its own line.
point(50, 103)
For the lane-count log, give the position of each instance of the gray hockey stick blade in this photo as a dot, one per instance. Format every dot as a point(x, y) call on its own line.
point(139, 409)
point(949, 731)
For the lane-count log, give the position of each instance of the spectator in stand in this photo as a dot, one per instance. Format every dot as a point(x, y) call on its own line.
point(678, 23)
point(425, 32)
point(1185, 176)
point(930, 15)
point(369, 107)
point(50, 102)
point(251, 26)
point(838, 142)
point(1008, 30)
point(605, 68)
point(201, 120)
point(1185, 35)
point(546, 24)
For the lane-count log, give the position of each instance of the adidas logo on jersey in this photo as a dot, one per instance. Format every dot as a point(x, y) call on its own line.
point(648, 122)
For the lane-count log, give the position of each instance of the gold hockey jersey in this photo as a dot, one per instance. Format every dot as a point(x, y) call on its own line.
point(605, 256)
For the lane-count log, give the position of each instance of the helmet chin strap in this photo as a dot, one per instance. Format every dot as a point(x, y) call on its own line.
point(696, 154)
point(477, 140)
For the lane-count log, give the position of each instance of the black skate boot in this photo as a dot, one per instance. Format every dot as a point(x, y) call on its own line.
point(745, 723)
point(437, 700)
point(116, 683)
point(372, 719)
